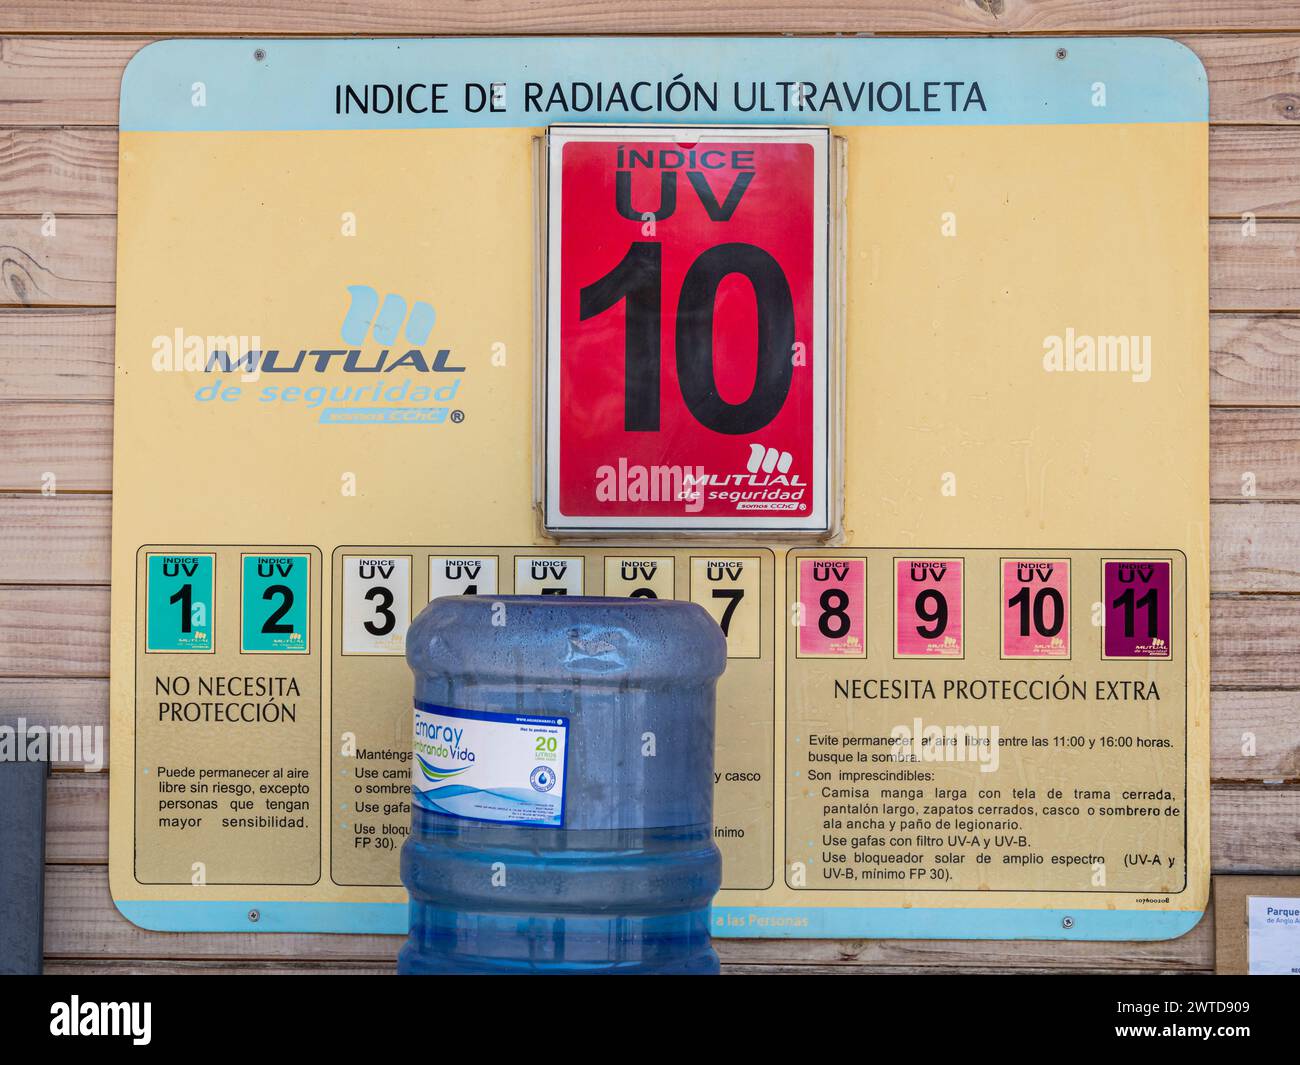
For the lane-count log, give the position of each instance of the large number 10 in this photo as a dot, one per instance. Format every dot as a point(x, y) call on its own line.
point(1043, 597)
point(638, 280)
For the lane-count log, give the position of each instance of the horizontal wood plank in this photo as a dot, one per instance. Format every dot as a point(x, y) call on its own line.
point(1254, 547)
point(67, 354)
point(1254, 359)
point(306, 967)
point(1253, 78)
point(53, 80)
point(59, 261)
point(1255, 642)
point(666, 16)
point(63, 80)
point(61, 171)
point(1255, 452)
point(61, 539)
point(1254, 829)
point(1257, 270)
point(61, 702)
point(82, 923)
point(53, 632)
point(56, 447)
point(233, 967)
point(64, 539)
point(1254, 267)
point(76, 818)
point(1253, 171)
point(1254, 736)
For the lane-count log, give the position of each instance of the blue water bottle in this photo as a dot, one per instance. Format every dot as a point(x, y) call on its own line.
point(562, 786)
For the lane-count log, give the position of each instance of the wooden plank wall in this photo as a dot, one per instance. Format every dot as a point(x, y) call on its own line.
point(60, 65)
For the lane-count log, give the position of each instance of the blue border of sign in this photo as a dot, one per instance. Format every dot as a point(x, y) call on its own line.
point(1022, 81)
point(727, 922)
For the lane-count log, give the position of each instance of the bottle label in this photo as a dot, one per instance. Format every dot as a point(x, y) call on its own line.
point(490, 767)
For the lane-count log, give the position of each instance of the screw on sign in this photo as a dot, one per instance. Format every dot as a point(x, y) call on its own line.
point(687, 372)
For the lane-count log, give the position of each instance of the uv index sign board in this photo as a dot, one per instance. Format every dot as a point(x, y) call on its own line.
point(978, 709)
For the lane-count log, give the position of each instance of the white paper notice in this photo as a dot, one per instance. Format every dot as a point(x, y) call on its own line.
point(1274, 936)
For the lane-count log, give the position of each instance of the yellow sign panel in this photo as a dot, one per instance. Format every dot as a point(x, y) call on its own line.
point(980, 710)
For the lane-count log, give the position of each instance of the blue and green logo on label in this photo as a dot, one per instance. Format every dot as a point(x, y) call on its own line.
point(178, 607)
point(273, 607)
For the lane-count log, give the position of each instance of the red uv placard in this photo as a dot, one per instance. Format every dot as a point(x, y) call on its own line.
point(686, 358)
